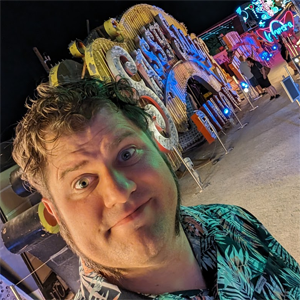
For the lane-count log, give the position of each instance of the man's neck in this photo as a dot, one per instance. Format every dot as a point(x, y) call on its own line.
point(177, 270)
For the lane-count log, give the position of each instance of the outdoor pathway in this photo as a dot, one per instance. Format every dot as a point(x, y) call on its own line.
point(262, 172)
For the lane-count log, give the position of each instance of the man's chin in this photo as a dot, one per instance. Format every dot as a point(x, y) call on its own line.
point(112, 273)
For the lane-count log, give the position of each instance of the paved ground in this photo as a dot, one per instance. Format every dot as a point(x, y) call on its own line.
point(262, 172)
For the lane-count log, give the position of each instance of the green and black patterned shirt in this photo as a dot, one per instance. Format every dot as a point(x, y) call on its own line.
point(240, 260)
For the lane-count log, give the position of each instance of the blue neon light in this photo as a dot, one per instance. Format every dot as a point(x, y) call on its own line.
point(226, 111)
point(239, 11)
point(282, 27)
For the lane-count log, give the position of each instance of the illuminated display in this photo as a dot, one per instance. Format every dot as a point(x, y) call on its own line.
point(280, 27)
point(158, 57)
point(277, 27)
point(267, 9)
point(263, 10)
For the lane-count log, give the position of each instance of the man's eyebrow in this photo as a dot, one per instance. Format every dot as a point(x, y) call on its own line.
point(111, 146)
point(73, 168)
point(119, 139)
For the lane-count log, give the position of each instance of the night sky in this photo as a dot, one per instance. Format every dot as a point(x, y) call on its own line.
point(51, 25)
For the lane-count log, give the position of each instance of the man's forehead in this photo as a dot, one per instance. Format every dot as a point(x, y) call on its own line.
point(107, 125)
point(111, 122)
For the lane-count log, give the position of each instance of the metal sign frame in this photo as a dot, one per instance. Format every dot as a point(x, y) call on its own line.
point(289, 78)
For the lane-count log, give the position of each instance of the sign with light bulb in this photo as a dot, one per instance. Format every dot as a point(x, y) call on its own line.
point(277, 27)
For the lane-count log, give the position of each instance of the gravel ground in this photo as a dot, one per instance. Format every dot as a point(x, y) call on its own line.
point(262, 172)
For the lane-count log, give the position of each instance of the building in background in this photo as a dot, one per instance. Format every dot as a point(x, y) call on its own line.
point(212, 37)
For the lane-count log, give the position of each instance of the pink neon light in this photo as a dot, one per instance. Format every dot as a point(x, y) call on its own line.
point(276, 27)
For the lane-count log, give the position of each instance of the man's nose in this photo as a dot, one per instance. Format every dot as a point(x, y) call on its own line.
point(116, 187)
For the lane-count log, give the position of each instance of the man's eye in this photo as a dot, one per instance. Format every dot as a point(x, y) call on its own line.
point(127, 154)
point(82, 183)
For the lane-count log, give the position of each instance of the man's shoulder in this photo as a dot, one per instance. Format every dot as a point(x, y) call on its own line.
point(216, 211)
point(243, 63)
point(210, 207)
point(258, 64)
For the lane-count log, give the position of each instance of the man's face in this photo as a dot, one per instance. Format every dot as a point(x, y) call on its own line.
point(249, 63)
point(113, 191)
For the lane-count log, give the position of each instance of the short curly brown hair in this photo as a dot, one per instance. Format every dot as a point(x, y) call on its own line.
point(66, 109)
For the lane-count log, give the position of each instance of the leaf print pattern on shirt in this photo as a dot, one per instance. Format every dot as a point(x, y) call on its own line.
point(239, 258)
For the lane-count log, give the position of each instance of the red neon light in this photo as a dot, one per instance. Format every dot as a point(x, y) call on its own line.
point(276, 26)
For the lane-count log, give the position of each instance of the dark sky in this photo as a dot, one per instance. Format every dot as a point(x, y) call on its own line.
point(51, 25)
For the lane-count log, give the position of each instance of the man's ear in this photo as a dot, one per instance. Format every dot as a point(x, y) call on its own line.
point(50, 208)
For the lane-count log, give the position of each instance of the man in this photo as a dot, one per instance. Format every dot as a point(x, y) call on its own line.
point(87, 148)
point(286, 54)
point(246, 72)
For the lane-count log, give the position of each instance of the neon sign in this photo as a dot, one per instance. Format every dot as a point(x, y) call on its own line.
point(267, 9)
point(277, 27)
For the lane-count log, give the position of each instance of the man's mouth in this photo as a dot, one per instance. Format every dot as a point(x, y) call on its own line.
point(134, 215)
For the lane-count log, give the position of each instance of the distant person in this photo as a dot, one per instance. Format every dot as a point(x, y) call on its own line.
point(230, 55)
point(286, 55)
point(259, 73)
point(246, 72)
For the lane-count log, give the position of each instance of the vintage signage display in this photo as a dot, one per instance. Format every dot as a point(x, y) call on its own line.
point(277, 27)
point(155, 53)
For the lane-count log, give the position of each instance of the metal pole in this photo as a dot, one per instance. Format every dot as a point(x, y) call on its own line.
point(216, 133)
point(242, 125)
point(214, 130)
point(88, 26)
point(291, 46)
point(185, 164)
point(83, 70)
point(287, 70)
point(191, 92)
point(229, 107)
point(248, 97)
point(39, 56)
point(15, 292)
point(256, 94)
